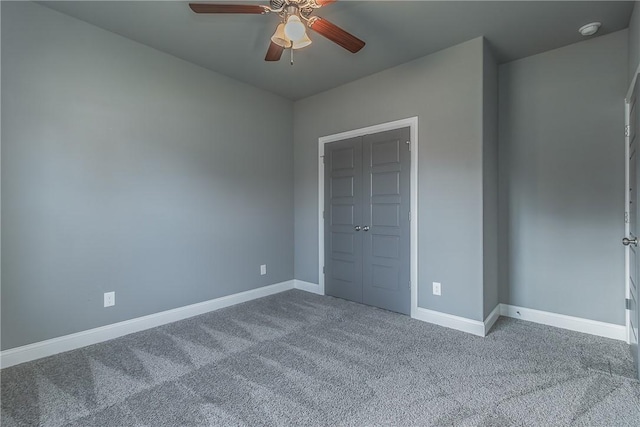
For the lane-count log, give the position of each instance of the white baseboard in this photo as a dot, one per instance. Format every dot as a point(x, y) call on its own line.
point(314, 288)
point(53, 346)
point(578, 324)
point(463, 324)
point(491, 319)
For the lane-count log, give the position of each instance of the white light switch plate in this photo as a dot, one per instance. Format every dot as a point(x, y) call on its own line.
point(263, 269)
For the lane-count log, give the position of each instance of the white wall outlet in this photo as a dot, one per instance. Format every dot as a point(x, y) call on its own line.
point(263, 269)
point(437, 288)
point(109, 299)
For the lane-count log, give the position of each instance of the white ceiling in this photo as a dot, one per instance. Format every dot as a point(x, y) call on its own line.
point(395, 32)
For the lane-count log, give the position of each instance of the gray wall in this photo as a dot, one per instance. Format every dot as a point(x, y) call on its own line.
point(634, 41)
point(125, 169)
point(445, 91)
point(490, 179)
point(562, 179)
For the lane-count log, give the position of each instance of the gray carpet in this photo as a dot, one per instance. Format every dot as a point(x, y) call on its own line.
point(300, 359)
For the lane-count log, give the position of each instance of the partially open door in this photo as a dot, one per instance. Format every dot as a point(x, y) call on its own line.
point(632, 227)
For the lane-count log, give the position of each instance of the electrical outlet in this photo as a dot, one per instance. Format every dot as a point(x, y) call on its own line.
point(437, 288)
point(263, 269)
point(109, 299)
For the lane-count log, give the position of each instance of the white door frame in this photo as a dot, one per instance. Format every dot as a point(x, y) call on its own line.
point(412, 123)
point(627, 291)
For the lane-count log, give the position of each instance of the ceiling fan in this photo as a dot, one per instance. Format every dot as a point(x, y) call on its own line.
point(291, 32)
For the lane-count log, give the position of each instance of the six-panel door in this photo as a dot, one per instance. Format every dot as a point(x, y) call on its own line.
point(343, 213)
point(367, 233)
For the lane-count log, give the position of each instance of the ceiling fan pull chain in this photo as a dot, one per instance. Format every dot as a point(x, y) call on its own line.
point(291, 48)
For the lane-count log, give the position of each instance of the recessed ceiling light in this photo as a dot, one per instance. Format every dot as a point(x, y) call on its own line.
point(590, 29)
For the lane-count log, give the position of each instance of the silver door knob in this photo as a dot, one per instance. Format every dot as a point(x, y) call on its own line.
point(628, 242)
point(365, 228)
point(357, 228)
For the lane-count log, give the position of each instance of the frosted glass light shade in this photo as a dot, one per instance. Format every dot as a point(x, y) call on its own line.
point(280, 38)
point(303, 42)
point(294, 28)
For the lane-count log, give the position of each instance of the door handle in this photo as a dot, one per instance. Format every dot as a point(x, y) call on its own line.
point(365, 228)
point(357, 228)
point(628, 242)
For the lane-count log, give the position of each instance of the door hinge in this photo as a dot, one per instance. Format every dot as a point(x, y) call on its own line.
point(322, 214)
point(409, 215)
point(323, 269)
point(627, 304)
point(626, 217)
point(323, 159)
point(409, 284)
point(627, 130)
point(408, 144)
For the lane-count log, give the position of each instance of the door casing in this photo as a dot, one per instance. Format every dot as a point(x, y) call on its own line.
point(412, 123)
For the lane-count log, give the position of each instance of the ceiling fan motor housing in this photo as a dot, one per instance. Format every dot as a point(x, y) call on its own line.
point(305, 7)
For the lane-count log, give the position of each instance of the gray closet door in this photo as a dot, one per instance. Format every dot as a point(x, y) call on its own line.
point(386, 231)
point(367, 233)
point(343, 213)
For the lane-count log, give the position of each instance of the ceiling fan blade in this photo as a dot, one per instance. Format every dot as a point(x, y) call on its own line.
point(228, 8)
point(336, 34)
point(325, 2)
point(274, 52)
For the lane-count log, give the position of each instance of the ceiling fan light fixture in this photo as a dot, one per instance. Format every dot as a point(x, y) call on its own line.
point(280, 38)
point(294, 28)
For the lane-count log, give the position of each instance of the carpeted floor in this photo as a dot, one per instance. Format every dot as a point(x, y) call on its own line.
point(300, 359)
